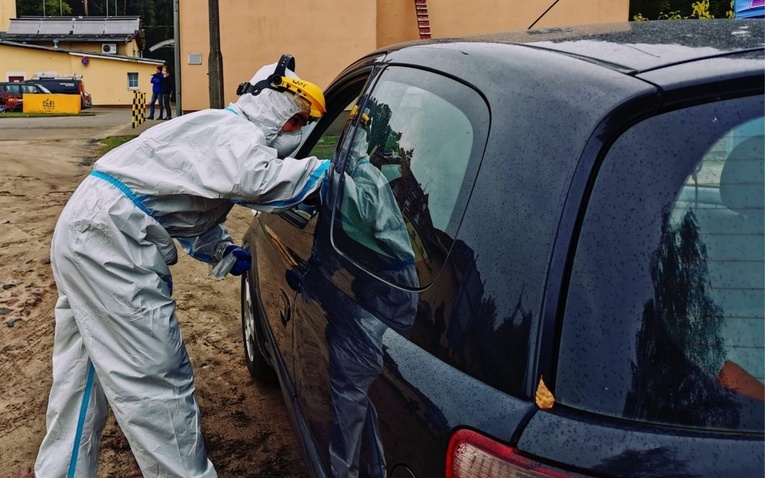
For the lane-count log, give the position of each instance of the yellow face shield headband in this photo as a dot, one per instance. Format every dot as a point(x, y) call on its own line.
point(306, 92)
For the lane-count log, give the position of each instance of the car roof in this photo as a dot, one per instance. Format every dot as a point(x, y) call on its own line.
point(631, 47)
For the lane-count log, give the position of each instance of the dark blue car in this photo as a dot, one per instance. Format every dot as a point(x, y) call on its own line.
point(538, 252)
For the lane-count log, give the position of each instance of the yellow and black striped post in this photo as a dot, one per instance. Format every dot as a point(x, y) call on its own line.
point(134, 115)
point(143, 107)
point(139, 108)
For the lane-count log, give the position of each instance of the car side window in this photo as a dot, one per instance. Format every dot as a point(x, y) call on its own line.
point(325, 145)
point(14, 90)
point(321, 140)
point(406, 174)
point(665, 319)
point(322, 137)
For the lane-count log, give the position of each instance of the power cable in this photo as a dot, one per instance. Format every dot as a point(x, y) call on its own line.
point(543, 14)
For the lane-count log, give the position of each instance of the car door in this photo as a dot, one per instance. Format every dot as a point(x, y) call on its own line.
point(285, 240)
point(399, 186)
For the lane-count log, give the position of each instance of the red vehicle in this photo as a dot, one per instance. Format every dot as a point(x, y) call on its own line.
point(12, 94)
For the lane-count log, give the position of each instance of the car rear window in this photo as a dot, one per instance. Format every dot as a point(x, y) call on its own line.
point(664, 315)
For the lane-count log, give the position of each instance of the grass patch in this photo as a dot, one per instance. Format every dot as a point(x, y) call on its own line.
point(19, 114)
point(324, 148)
point(108, 144)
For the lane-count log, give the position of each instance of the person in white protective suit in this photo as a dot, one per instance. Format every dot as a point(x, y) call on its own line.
point(117, 340)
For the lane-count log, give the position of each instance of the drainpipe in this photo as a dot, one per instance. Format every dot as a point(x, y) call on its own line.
point(177, 59)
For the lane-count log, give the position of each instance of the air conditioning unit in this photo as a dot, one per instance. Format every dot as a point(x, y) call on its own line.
point(109, 48)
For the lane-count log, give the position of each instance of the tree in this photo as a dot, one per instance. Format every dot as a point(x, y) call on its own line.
point(680, 346)
point(53, 8)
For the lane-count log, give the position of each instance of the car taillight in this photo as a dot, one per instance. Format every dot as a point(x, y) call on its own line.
point(472, 455)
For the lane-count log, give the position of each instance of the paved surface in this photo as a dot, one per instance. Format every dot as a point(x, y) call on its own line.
point(102, 123)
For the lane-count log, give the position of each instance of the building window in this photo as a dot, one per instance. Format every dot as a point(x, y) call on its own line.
point(132, 81)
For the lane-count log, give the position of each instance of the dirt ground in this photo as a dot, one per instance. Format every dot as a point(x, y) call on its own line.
point(247, 432)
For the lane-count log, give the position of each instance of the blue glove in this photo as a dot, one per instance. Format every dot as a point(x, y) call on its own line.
point(243, 259)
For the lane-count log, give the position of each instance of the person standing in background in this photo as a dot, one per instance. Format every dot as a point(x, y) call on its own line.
point(156, 93)
point(167, 91)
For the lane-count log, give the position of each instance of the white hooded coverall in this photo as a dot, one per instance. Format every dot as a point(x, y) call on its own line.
point(117, 340)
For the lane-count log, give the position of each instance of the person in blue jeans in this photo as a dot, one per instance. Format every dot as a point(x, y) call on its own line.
point(167, 91)
point(156, 93)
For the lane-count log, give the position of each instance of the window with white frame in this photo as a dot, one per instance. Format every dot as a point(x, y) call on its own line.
point(132, 81)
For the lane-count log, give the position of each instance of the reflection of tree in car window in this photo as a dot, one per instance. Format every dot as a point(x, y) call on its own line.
point(679, 346)
point(381, 136)
point(421, 169)
point(696, 341)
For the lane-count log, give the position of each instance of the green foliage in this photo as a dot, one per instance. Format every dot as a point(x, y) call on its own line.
point(96, 8)
point(699, 10)
point(53, 8)
point(325, 146)
point(111, 142)
point(20, 114)
point(642, 10)
point(156, 17)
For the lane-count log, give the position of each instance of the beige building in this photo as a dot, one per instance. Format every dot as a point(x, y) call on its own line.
point(109, 79)
point(325, 36)
point(7, 11)
point(104, 52)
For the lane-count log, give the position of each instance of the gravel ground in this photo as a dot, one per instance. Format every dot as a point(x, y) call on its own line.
point(247, 431)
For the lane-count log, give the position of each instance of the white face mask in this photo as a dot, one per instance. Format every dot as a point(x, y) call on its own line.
point(286, 143)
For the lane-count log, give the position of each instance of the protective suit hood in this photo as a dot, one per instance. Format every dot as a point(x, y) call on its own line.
point(271, 109)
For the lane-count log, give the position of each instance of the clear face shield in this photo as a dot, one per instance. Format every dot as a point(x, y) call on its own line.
point(308, 98)
point(309, 95)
